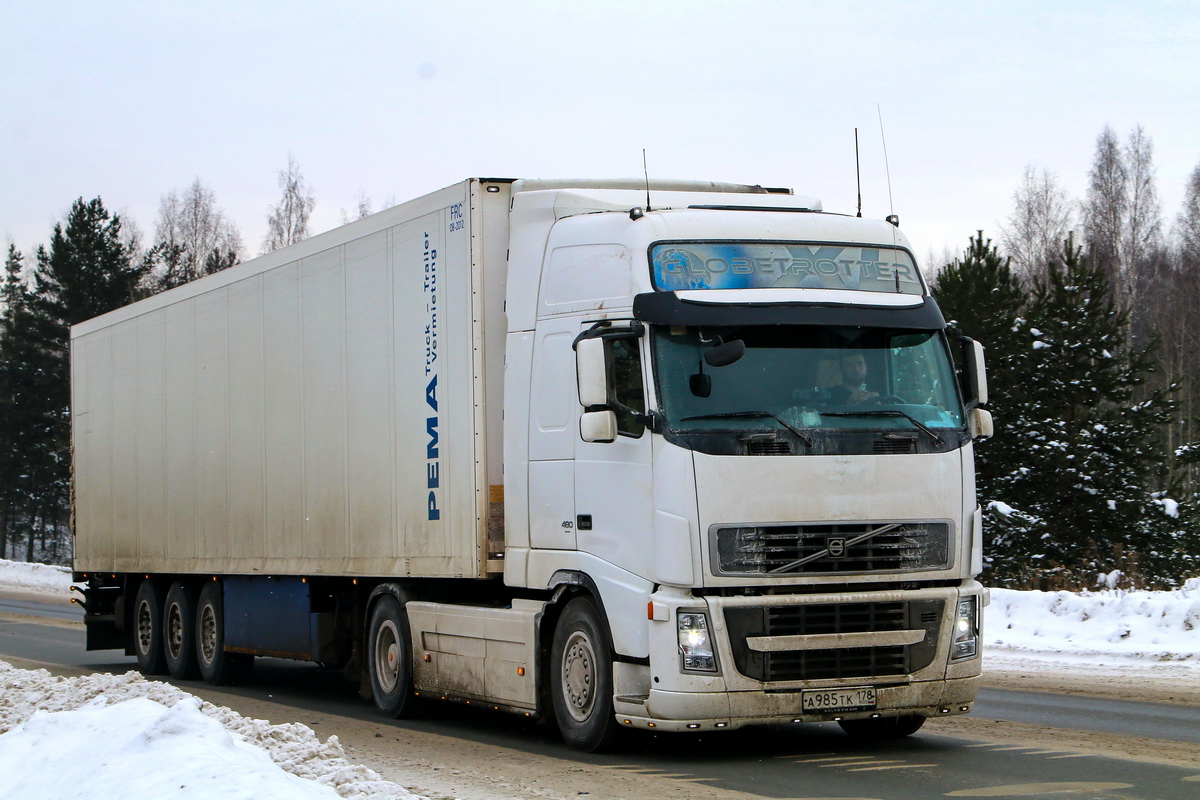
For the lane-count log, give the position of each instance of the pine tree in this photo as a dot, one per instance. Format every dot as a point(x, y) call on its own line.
point(1081, 500)
point(86, 272)
point(11, 336)
point(984, 297)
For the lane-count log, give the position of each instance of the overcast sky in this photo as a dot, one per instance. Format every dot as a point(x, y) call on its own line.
point(131, 100)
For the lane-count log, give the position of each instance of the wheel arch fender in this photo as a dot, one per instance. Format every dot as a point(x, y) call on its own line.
point(617, 596)
point(566, 585)
point(402, 593)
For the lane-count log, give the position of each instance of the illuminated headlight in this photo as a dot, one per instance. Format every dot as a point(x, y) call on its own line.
point(694, 643)
point(966, 630)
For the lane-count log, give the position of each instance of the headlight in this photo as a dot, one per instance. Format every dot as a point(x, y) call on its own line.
point(966, 630)
point(694, 643)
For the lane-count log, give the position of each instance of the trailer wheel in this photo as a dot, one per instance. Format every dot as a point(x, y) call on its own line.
point(389, 659)
point(217, 666)
point(883, 727)
point(581, 679)
point(147, 630)
point(179, 636)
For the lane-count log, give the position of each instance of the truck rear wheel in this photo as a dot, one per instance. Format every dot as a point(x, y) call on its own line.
point(883, 727)
point(147, 630)
point(179, 635)
point(389, 658)
point(581, 678)
point(217, 666)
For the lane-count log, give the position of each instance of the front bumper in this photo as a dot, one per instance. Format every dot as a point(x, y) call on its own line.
point(698, 711)
point(813, 641)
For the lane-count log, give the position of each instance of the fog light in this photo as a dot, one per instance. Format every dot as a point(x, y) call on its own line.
point(966, 630)
point(694, 643)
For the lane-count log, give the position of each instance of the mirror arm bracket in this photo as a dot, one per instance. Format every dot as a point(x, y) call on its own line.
point(604, 330)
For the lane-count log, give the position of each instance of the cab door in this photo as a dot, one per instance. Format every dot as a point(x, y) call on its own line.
point(614, 494)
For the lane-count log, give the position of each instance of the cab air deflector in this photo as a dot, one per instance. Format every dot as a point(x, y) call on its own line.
point(667, 308)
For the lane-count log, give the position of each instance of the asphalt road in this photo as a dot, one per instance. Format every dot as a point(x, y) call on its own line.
point(457, 751)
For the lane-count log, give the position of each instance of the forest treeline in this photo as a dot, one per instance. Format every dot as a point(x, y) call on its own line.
point(1087, 306)
point(1090, 311)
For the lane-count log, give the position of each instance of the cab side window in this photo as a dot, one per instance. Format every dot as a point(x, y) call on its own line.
point(625, 368)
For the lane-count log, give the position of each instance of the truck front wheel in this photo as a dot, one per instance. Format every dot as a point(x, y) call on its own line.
point(581, 676)
point(147, 630)
point(389, 659)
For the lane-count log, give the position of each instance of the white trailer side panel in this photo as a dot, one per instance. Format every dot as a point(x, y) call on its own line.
point(319, 410)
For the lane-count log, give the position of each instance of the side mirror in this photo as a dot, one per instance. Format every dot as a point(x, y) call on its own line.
point(598, 426)
point(982, 426)
point(976, 375)
point(591, 372)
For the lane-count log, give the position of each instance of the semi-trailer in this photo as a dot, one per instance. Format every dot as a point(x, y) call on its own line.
point(674, 455)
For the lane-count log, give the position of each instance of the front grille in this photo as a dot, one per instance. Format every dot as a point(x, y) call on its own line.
point(835, 548)
point(843, 662)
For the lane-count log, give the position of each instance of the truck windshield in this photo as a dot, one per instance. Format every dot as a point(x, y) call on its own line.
point(814, 385)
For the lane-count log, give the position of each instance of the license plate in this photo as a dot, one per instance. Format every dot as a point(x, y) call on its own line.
point(855, 699)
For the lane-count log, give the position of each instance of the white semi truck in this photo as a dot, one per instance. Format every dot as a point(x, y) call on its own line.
point(675, 455)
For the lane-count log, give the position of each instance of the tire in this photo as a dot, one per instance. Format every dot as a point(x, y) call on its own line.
point(147, 630)
point(883, 727)
point(389, 659)
point(581, 679)
point(218, 667)
point(179, 632)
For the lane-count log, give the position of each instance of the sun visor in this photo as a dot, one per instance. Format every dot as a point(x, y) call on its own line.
point(668, 308)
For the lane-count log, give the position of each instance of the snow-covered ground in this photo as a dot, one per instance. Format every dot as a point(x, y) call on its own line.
point(34, 578)
point(162, 742)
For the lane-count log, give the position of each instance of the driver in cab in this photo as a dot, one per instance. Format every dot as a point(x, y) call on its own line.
point(853, 388)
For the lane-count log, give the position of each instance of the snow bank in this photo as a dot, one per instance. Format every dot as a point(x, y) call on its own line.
point(34, 577)
point(159, 741)
point(1153, 626)
point(54, 753)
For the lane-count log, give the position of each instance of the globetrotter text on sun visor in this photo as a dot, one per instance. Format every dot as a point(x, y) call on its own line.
point(764, 265)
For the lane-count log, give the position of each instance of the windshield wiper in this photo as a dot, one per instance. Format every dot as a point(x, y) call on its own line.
point(732, 414)
point(887, 412)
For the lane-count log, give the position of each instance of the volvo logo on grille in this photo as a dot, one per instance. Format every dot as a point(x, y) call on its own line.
point(836, 545)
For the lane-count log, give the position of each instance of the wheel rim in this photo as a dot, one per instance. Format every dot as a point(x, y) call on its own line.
point(145, 628)
point(387, 656)
point(174, 630)
point(208, 634)
point(579, 676)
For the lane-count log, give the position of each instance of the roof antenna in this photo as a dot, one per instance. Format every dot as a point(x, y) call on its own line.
point(892, 218)
point(857, 172)
point(646, 172)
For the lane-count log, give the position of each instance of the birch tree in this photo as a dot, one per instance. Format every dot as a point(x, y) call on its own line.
point(287, 222)
point(1041, 219)
point(1106, 209)
point(193, 237)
